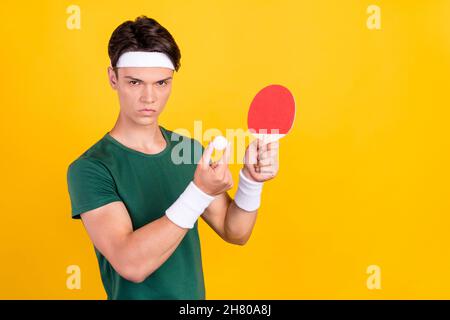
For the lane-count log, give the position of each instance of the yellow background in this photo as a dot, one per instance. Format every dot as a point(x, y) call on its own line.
point(364, 177)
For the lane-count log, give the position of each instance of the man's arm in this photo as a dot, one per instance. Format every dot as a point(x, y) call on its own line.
point(230, 222)
point(223, 215)
point(133, 254)
point(136, 254)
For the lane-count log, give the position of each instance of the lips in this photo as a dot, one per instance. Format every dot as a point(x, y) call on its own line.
point(147, 110)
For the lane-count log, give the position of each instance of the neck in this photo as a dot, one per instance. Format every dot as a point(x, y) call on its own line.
point(144, 138)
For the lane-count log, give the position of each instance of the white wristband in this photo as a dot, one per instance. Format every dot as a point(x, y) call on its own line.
point(248, 194)
point(185, 211)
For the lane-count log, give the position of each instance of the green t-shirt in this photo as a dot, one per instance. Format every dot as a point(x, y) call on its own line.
point(147, 185)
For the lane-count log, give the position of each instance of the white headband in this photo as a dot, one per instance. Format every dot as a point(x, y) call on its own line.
point(144, 59)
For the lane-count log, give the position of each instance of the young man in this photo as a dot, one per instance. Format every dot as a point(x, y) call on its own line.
point(139, 207)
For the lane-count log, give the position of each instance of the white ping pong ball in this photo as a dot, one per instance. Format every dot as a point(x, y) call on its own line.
point(220, 143)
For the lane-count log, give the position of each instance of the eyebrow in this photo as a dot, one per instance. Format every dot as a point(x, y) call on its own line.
point(136, 79)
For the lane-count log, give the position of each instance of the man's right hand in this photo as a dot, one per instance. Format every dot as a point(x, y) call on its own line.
point(214, 179)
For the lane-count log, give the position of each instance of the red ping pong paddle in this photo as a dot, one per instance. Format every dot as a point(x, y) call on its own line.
point(272, 113)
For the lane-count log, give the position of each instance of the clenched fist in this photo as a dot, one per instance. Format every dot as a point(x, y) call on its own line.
point(261, 160)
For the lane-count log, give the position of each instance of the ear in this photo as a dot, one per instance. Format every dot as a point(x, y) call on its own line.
point(112, 78)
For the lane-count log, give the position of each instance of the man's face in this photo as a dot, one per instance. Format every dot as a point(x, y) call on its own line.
point(143, 92)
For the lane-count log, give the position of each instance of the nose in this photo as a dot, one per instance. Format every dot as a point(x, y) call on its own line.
point(148, 94)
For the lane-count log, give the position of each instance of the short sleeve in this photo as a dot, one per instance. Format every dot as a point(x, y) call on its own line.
point(90, 186)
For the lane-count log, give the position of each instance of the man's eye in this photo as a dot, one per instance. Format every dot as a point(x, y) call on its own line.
point(133, 82)
point(162, 82)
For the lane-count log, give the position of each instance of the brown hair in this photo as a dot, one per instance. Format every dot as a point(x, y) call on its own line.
point(142, 34)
